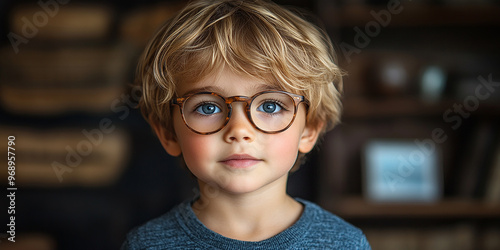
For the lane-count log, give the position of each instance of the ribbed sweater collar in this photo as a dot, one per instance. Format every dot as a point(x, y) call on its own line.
point(208, 238)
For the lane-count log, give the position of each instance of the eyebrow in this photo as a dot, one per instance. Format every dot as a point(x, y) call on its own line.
point(203, 89)
point(218, 90)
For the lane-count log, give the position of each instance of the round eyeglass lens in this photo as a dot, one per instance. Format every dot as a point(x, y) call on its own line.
point(205, 113)
point(272, 111)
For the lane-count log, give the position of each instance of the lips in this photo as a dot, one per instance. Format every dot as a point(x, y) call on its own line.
point(240, 161)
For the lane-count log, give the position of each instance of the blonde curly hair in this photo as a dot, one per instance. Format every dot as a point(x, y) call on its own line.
point(256, 38)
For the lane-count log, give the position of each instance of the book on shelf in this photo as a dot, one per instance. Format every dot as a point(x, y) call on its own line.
point(48, 21)
point(487, 162)
point(67, 157)
point(492, 193)
point(55, 80)
point(140, 24)
point(474, 162)
point(29, 101)
point(32, 240)
point(65, 66)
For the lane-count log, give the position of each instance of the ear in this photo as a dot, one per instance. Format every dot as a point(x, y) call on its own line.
point(167, 139)
point(309, 137)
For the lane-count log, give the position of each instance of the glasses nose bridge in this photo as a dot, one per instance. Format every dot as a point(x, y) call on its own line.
point(245, 99)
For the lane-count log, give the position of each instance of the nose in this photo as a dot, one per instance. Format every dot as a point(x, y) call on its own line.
point(239, 128)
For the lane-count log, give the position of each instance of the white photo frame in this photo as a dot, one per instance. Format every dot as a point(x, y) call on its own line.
point(402, 171)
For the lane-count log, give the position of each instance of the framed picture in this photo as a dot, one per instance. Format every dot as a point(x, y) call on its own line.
point(402, 171)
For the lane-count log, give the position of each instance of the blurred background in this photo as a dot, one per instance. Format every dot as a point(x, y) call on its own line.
point(415, 162)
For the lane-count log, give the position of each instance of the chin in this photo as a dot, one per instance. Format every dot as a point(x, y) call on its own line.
point(247, 186)
point(241, 188)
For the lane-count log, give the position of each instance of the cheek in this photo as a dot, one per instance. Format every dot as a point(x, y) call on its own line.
point(199, 155)
point(283, 148)
point(196, 149)
point(286, 145)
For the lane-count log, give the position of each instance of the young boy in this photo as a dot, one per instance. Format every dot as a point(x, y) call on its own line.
point(241, 90)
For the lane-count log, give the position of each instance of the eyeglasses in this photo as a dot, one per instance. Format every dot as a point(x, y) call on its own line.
point(268, 111)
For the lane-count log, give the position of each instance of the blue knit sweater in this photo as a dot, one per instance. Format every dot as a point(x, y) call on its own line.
point(181, 229)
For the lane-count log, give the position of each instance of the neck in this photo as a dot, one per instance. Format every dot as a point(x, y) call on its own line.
point(251, 216)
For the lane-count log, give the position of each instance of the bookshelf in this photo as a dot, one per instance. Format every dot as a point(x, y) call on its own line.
point(89, 168)
point(357, 108)
point(384, 100)
point(358, 208)
point(415, 14)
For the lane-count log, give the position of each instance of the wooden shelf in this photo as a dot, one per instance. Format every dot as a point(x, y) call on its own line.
point(358, 208)
point(358, 107)
point(414, 15)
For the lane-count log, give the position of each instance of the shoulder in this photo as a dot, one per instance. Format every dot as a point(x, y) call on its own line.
point(327, 229)
point(326, 220)
point(163, 231)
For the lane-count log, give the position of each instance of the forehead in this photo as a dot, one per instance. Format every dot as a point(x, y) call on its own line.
point(227, 83)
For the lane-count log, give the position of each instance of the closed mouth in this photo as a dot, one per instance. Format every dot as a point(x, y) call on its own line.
point(240, 161)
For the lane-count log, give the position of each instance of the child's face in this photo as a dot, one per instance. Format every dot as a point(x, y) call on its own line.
point(239, 158)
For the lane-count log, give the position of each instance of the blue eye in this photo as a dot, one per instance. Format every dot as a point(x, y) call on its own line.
point(269, 107)
point(208, 109)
